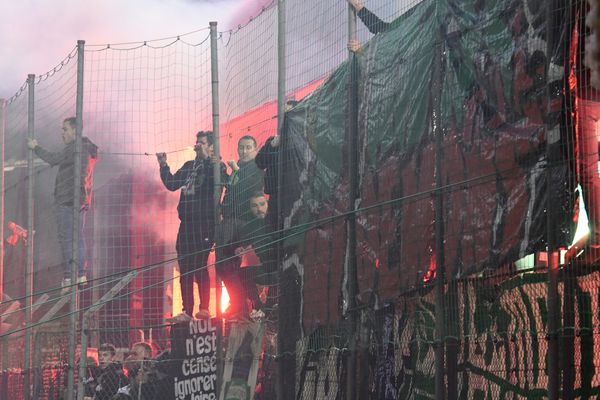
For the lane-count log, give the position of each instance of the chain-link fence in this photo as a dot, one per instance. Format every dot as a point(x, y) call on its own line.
point(381, 200)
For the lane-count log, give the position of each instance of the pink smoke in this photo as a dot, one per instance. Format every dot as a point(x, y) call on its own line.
point(246, 10)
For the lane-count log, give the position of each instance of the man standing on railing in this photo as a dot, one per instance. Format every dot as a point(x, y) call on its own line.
point(197, 215)
point(268, 160)
point(245, 179)
point(64, 193)
point(255, 234)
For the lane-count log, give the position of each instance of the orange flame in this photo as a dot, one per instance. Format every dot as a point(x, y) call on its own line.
point(224, 298)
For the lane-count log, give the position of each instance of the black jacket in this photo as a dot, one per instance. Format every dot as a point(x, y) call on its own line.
point(373, 23)
point(109, 381)
point(266, 159)
point(196, 204)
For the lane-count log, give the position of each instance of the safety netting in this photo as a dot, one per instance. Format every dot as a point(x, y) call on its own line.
point(287, 213)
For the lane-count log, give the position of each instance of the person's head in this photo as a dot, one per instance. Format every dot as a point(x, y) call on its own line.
point(204, 145)
point(106, 354)
point(140, 351)
point(247, 148)
point(291, 103)
point(259, 205)
point(69, 130)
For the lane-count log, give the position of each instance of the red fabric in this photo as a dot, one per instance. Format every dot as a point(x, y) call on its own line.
point(588, 115)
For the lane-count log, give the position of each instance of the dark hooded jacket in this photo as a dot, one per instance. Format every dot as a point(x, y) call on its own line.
point(65, 159)
point(266, 159)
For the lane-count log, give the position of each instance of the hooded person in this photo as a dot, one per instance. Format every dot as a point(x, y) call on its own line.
point(64, 193)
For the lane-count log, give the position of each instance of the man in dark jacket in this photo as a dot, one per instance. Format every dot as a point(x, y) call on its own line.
point(268, 160)
point(255, 234)
point(245, 180)
point(64, 193)
point(111, 376)
point(196, 212)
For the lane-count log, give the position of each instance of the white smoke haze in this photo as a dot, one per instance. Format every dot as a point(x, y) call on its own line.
point(144, 100)
point(135, 102)
point(37, 34)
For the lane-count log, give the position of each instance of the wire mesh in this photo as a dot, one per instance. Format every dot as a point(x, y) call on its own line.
point(475, 212)
point(142, 99)
point(15, 211)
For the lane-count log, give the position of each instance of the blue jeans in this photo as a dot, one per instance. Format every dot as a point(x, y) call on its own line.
point(64, 221)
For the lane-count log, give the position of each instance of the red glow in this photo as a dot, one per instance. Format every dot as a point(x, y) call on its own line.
point(260, 122)
point(224, 298)
point(17, 232)
point(430, 274)
point(543, 257)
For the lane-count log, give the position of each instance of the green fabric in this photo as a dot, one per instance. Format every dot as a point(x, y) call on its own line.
point(391, 64)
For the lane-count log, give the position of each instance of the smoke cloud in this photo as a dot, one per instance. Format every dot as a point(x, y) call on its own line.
point(36, 35)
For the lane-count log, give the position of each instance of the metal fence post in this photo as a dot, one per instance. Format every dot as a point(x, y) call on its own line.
point(553, 152)
point(29, 247)
point(73, 306)
point(351, 271)
point(281, 390)
point(214, 72)
point(2, 129)
point(440, 332)
point(568, 337)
